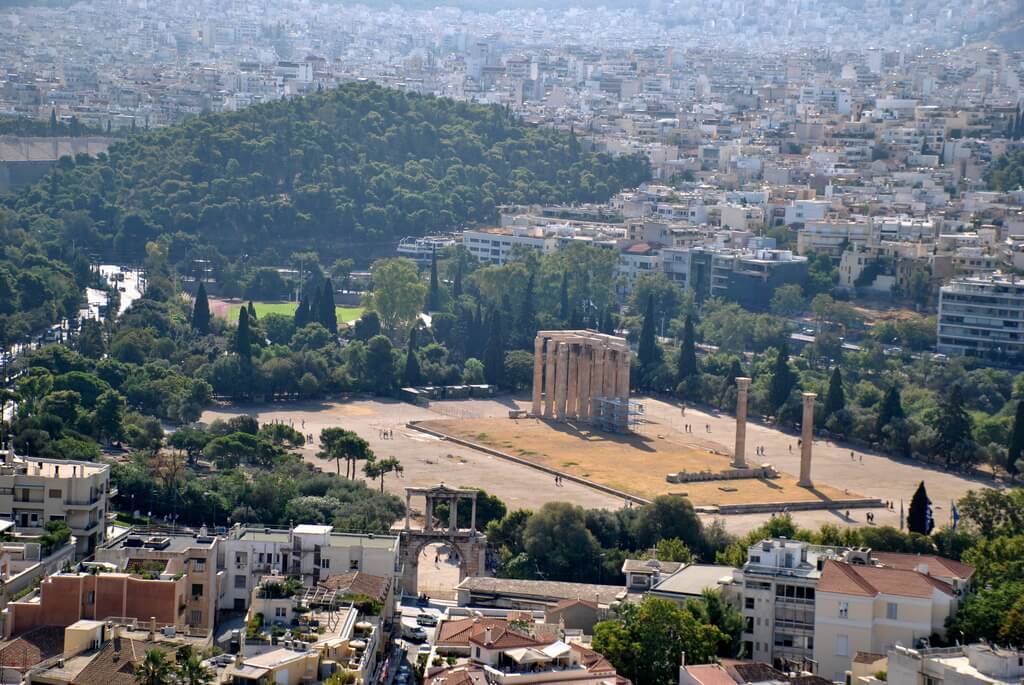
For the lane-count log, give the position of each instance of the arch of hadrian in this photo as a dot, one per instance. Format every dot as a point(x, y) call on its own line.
point(573, 368)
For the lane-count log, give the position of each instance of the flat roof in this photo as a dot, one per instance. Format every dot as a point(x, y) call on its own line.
point(693, 579)
point(176, 542)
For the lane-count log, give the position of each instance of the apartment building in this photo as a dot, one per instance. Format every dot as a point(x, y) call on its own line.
point(168, 577)
point(312, 552)
point(778, 588)
point(982, 316)
point(35, 490)
point(179, 556)
point(867, 608)
point(979, 664)
point(832, 236)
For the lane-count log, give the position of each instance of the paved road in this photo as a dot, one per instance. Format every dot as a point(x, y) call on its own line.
point(133, 284)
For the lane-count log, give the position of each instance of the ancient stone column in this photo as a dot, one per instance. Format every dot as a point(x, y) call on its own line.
point(597, 372)
point(739, 460)
point(453, 514)
point(549, 379)
point(561, 378)
point(408, 507)
point(586, 353)
point(807, 437)
point(611, 372)
point(428, 515)
point(571, 389)
point(622, 379)
point(538, 374)
point(472, 515)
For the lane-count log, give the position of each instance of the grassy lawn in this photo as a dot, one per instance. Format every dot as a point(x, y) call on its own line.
point(345, 314)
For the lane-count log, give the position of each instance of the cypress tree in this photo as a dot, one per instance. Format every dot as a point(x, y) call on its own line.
point(327, 314)
point(252, 311)
point(411, 377)
point(53, 119)
point(1016, 447)
point(835, 400)
point(954, 427)
point(479, 338)
point(526, 322)
point(494, 351)
point(434, 293)
point(783, 381)
point(608, 322)
point(201, 311)
point(243, 343)
point(457, 281)
point(563, 312)
point(892, 408)
point(919, 518)
point(302, 313)
point(686, 365)
point(647, 347)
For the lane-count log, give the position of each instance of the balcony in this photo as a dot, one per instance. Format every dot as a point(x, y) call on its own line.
point(82, 505)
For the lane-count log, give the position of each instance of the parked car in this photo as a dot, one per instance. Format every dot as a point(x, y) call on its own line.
point(414, 634)
point(426, 620)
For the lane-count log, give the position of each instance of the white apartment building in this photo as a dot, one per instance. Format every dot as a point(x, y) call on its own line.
point(778, 589)
point(313, 552)
point(980, 664)
point(742, 217)
point(35, 490)
point(982, 316)
point(802, 211)
point(831, 235)
point(495, 245)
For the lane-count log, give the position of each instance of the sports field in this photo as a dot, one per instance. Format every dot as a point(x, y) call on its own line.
point(345, 314)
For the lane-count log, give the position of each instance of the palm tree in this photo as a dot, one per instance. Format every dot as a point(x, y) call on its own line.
point(192, 672)
point(154, 669)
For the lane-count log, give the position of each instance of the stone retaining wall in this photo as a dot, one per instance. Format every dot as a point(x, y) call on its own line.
point(730, 474)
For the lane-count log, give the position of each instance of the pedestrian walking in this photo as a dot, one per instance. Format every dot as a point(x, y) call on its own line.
point(862, 458)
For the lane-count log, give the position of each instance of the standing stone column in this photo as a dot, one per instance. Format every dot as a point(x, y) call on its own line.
point(611, 372)
point(586, 352)
point(572, 381)
point(408, 508)
point(472, 516)
point(561, 374)
point(538, 374)
point(807, 438)
point(549, 379)
point(622, 379)
point(739, 459)
point(597, 373)
point(428, 522)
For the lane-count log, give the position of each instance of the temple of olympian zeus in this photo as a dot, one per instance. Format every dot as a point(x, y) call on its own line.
point(582, 376)
point(739, 460)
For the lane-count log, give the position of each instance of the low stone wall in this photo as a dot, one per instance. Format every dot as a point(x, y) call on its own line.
point(731, 474)
point(785, 507)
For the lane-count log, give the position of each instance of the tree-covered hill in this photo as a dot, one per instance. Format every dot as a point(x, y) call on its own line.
point(1007, 172)
point(358, 165)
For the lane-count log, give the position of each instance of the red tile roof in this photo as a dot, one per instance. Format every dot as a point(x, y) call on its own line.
point(937, 566)
point(32, 647)
point(871, 581)
point(710, 674)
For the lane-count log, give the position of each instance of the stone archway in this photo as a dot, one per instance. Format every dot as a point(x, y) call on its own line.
point(469, 544)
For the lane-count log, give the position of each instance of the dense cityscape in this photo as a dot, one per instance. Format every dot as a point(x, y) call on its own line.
point(660, 342)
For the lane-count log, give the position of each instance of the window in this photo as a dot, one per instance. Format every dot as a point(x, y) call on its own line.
point(890, 611)
point(197, 589)
point(842, 645)
point(280, 612)
point(748, 602)
point(199, 564)
point(325, 563)
point(242, 558)
point(844, 610)
point(56, 517)
point(197, 617)
point(353, 565)
point(240, 582)
point(90, 597)
point(55, 494)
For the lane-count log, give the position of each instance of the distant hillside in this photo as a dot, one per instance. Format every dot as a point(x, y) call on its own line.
point(357, 165)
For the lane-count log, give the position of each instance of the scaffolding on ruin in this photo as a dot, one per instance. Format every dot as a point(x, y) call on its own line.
point(615, 415)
